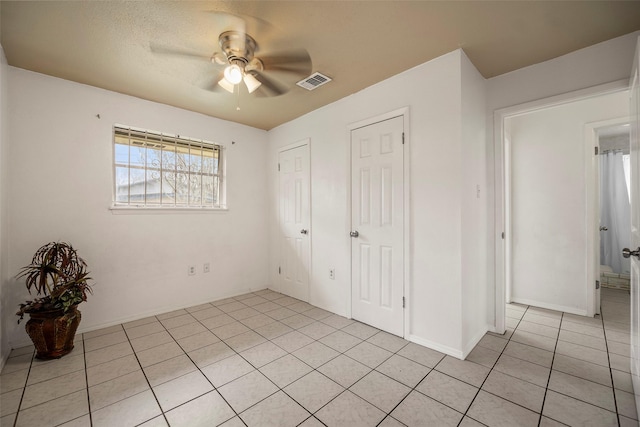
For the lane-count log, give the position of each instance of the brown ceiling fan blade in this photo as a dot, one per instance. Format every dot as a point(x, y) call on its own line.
point(225, 21)
point(299, 71)
point(211, 84)
point(165, 50)
point(270, 86)
point(295, 61)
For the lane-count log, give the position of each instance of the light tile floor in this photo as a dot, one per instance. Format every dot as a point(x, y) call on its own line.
point(265, 359)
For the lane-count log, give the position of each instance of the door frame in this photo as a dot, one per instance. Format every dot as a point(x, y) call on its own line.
point(502, 185)
point(592, 169)
point(406, 288)
point(300, 143)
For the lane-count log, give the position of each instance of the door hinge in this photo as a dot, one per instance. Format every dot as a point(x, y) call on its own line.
point(503, 234)
point(403, 302)
point(403, 137)
point(596, 150)
point(597, 284)
point(279, 270)
point(278, 167)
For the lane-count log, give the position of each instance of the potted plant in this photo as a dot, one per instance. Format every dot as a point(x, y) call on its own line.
point(59, 278)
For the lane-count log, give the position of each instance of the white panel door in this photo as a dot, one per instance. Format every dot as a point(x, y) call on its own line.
point(634, 111)
point(294, 222)
point(377, 200)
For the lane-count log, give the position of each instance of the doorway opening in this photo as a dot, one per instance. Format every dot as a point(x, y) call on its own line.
point(544, 251)
point(614, 204)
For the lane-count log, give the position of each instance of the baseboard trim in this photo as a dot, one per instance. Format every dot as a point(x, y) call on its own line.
point(548, 306)
point(474, 341)
point(458, 354)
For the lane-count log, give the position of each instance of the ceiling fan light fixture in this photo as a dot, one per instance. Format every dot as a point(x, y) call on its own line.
point(251, 82)
point(233, 74)
point(226, 85)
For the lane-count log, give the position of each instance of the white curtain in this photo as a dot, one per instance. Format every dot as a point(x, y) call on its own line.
point(615, 212)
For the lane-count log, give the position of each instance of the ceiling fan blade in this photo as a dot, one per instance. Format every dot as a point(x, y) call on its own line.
point(299, 71)
point(165, 50)
point(270, 86)
point(225, 21)
point(296, 62)
point(211, 84)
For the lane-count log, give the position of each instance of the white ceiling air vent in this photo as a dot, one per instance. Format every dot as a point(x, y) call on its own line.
point(314, 81)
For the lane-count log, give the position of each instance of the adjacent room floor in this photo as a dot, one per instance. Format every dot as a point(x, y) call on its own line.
point(265, 359)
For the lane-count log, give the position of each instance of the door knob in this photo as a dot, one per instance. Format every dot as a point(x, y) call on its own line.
point(354, 233)
point(604, 228)
point(303, 231)
point(626, 252)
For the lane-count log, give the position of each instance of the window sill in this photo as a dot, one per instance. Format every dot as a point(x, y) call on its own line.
point(149, 210)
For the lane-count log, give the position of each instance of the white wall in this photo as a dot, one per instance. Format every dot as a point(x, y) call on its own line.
point(433, 91)
point(60, 188)
point(549, 201)
point(6, 311)
point(475, 287)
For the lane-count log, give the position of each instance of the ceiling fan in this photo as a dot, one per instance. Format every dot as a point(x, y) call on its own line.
point(238, 51)
point(265, 74)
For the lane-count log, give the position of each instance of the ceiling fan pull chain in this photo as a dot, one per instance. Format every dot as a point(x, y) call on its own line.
point(238, 104)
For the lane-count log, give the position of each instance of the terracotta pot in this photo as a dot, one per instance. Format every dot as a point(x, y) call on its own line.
point(53, 332)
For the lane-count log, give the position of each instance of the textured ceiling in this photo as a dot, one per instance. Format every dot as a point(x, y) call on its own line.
point(357, 43)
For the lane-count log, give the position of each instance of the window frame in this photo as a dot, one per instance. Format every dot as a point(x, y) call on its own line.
point(175, 141)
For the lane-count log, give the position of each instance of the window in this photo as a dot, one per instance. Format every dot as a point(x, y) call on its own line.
point(156, 170)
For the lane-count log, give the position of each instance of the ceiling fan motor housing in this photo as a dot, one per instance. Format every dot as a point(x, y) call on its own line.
point(238, 47)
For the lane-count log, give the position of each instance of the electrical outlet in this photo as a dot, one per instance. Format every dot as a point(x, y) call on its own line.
point(332, 273)
point(206, 267)
point(191, 270)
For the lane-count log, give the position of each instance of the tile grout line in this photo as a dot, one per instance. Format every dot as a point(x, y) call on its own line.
point(551, 368)
point(343, 353)
point(288, 353)
point(24, 389)
point(491, 370)
point(587, 379)
point(198, 368)
point(236, 353)
point(414, 388)
point(145, 378)
point(86, 379)
point(312, 414)
point(316, 369)
point(347, 388)
point(570, 357)
point(613, 386)
point(553, 358)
